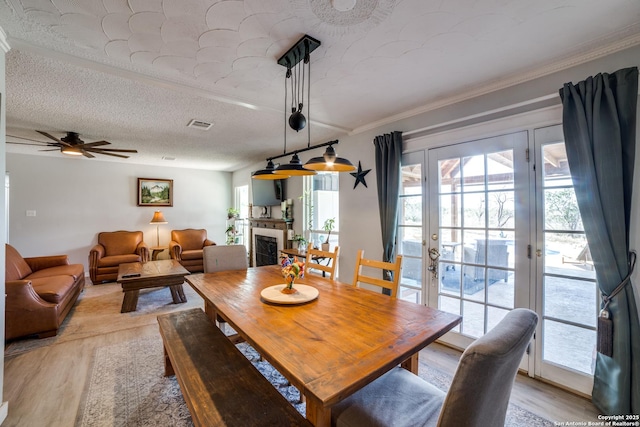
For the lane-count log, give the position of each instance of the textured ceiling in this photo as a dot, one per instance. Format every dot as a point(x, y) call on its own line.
point(136, 72)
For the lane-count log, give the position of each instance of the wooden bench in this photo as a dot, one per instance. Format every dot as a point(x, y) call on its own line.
point(219, 384)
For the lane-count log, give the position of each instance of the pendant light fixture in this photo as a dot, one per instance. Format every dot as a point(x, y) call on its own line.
point(298, 64)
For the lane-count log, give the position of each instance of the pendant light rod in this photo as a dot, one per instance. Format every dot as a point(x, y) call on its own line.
point(302, 150)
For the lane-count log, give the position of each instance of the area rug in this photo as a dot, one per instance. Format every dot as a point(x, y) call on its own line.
point(127, 387)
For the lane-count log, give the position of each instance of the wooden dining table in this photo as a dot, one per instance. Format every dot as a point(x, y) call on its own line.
point(329, 347)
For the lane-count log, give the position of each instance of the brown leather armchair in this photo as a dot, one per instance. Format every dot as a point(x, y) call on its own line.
point(115, 248)
point(186, 247)
point(40, 292)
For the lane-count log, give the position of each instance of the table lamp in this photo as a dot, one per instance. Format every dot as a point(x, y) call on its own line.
point(158, 219)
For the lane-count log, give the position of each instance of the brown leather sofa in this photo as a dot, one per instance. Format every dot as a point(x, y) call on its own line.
point(40, 293)
point(186, 247)
point(115, 248)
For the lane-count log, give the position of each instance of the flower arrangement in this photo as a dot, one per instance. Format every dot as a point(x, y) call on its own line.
point(291, 270)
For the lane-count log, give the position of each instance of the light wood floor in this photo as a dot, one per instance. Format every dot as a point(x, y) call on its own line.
point(44, 386)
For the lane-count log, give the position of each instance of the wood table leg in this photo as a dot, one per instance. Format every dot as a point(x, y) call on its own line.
point(168, 367)
point(411, 364)
point(177, 292)
point(317, 414)
point(210, 311)
point(130, 301)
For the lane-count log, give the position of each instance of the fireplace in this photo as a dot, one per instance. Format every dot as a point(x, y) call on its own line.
point(277, 231)
point(266, 250)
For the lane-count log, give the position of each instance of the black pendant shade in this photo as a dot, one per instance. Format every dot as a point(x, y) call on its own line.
point(330, 162)
point(268, 173)
point(294, 168)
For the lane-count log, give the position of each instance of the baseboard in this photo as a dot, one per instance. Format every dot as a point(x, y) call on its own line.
point(4, 411)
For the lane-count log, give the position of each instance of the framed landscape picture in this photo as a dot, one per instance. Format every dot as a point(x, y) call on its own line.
point(155, 192)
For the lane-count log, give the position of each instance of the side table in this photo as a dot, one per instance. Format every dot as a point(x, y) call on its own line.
point(157, 250)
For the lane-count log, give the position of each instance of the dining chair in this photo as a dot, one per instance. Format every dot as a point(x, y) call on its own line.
point(223, 258)
point(393, 267)
point(478, 395)
point(315, 257)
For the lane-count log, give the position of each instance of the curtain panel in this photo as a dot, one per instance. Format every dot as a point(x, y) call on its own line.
point(599, 123)
point(388, 154)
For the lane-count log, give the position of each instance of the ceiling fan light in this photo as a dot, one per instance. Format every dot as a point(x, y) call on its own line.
point(72, 151)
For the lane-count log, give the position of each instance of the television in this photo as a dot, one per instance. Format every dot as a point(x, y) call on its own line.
point(268, 192)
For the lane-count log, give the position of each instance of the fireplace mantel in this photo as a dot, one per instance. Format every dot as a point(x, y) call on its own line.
point(277, 228)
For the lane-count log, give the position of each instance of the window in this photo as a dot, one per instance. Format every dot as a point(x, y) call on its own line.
point(241, 203)
point(321, 203)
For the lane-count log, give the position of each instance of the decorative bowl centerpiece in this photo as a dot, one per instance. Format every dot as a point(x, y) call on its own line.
point(291, 270)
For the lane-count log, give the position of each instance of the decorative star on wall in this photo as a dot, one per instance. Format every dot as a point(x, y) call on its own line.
point(359, 176)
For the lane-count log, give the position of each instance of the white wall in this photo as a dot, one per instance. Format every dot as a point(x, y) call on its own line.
point(75, 198)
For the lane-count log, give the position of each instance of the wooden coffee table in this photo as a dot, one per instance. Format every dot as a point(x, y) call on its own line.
point(134, 276)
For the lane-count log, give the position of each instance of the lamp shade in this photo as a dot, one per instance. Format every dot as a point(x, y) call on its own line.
point(269, 173)
point(158, 218)
point(294, 168)
point(329, 162)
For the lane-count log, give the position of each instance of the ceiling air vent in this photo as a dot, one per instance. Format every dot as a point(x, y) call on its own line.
point(200, 124)
point(168, 158)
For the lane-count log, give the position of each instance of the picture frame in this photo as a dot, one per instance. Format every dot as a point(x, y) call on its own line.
point(155, 192)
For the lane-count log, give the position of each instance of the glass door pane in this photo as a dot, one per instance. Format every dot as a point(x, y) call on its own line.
point(475, 186)
point(410, 229)
point(569, 293)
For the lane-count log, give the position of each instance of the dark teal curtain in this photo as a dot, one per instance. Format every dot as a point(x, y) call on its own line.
point(388, 148)
point(599, 122)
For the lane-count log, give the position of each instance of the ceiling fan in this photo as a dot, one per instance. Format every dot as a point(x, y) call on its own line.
point(73, 145)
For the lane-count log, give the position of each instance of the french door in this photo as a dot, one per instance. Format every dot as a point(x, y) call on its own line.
point(492, 224)
point(479, 231)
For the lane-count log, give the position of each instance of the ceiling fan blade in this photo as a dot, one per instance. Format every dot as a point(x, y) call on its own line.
point(95, 144)
point(111, 154)
point(55, 149)
point(52, 137)
point(28, 139)
point(114, 150)
point(87, 154)
point(42, 144)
